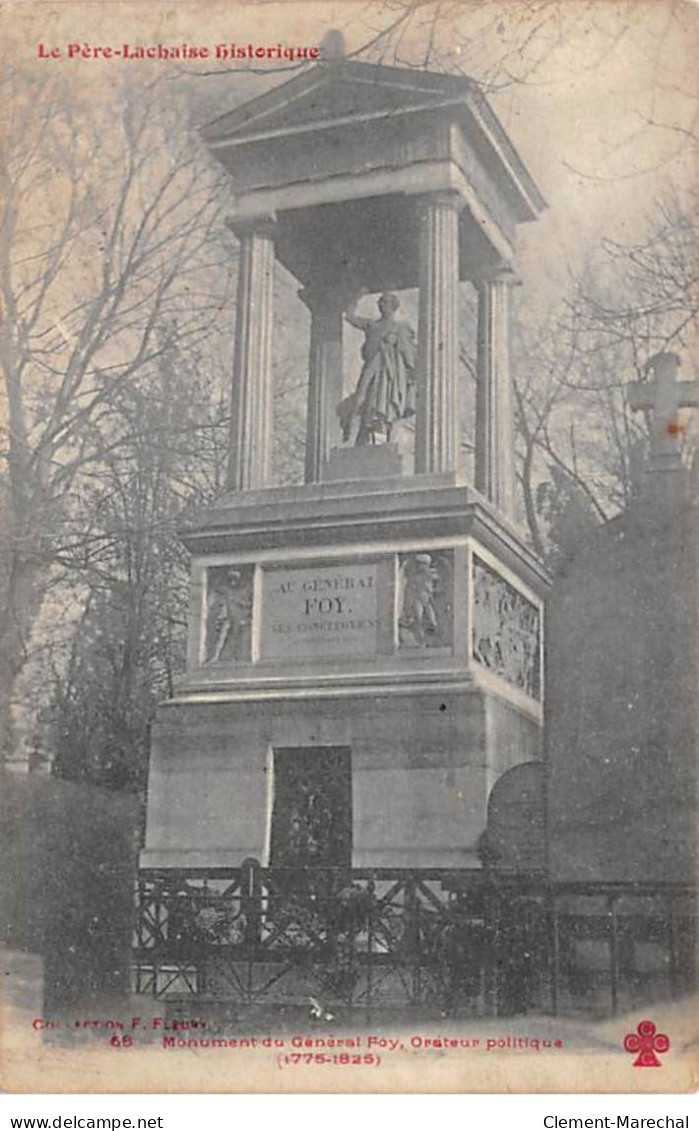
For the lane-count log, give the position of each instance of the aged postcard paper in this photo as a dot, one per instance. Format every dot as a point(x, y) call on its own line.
point(348, 553)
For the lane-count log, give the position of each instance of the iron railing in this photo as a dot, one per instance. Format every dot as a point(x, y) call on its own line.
point(440, 942)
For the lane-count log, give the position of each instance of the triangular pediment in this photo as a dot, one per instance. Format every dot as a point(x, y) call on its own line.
point(337, 92)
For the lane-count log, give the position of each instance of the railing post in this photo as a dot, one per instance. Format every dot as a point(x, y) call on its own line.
point(352, 960)
point(413, 935)
point(371, 892)
point(671, 910)
point(490, 917)
point(139, 900)
point(523, 935)
point(161, 917)
point(555, 949)
point(251, 911)
point(614, 955)
point(202, 967)
point(251, 900)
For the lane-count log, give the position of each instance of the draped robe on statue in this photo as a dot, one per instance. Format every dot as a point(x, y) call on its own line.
point(385, 391)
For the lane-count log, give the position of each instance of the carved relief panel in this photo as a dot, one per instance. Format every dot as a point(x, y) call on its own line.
point(314, 611)
point(506, 630)
point(228, 613)
point(425, 600)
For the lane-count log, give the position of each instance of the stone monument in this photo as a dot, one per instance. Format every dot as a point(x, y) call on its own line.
point(621, 733)
point(365, 650)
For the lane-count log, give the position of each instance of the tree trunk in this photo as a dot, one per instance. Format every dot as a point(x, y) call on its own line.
point(24, 596)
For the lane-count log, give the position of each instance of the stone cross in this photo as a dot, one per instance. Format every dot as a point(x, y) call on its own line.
point(664, 397)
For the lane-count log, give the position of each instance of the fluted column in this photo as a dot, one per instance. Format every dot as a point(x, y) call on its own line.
point(495, 466)
point(250, 451)
point(437, 414)
point(325, 376)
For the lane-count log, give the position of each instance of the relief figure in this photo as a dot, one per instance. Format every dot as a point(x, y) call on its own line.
point(229, 615)
point(425, 602)
point(505, 630)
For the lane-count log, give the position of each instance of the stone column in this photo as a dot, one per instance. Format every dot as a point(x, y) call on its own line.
point(495, 455)
point(437, 412)
point(325, 376)
point(250, 452)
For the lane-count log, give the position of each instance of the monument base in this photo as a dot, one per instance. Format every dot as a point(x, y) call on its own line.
point(364, 666)
point(370, 461)
point(420, 766)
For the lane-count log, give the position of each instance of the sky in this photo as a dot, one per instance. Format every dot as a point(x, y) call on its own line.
point(595, 94)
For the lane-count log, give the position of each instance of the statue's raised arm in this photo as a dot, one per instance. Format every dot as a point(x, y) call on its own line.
point(355, 319)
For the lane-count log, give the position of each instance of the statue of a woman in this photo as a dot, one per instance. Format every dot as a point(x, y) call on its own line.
point(385, 391)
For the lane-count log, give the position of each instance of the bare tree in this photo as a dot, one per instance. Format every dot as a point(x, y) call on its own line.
point(576, 433)
point(108, 223)
point(129, 573)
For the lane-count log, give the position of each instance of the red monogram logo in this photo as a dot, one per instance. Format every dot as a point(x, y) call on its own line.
point(646, 1041)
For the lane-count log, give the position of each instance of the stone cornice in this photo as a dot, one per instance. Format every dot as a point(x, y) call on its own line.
point(347, 513)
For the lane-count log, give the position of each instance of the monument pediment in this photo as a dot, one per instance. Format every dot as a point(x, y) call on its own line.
point(350, 95)
point(331, 94)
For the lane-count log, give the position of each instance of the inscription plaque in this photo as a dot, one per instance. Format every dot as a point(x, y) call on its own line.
point(320, 611)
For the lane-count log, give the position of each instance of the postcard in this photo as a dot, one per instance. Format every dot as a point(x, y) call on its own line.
point(348, 546)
